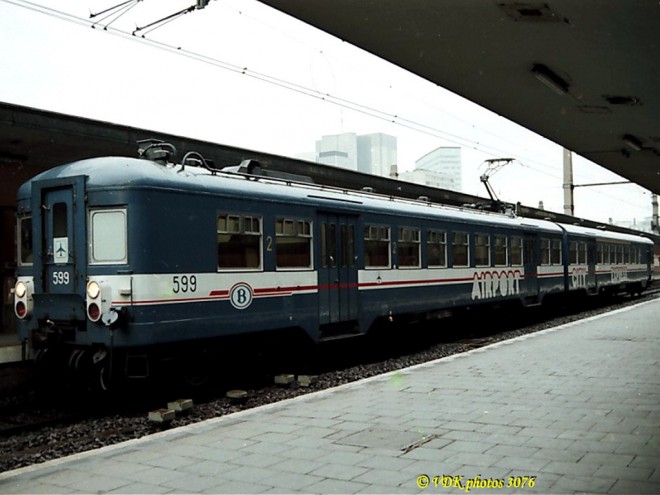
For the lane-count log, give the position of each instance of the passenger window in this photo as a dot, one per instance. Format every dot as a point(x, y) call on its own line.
point(293, 243)
point(555, 253)
point(545, 251)
point(376, 246)
point(582, 253)
point(516, 251)
point(573, 252)
point(239, 242)
point(606, 254)
point(501, 250)
point(460, 249)
point(408, 248)
point(482, 249)
point(577, 252)
point(436, 244)
point(108, 237)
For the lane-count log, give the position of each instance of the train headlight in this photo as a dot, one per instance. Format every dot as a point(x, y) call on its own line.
point(23, 298)
point(99, 296)
point(20, 289)
point(20, 309)
point(94, 312)
point(93, 289)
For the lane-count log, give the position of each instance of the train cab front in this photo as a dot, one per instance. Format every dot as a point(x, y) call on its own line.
point(58, 310)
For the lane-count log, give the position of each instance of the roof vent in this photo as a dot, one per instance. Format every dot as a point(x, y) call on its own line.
point(630, 101)
point(531, 12)
point(252, 168)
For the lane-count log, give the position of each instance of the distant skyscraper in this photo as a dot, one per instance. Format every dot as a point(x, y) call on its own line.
point(440, 168)
point(376, 154)
point(369, 153)
point(340, 150)
point(308, 156)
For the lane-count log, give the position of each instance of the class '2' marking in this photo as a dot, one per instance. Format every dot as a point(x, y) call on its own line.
point(240, 295)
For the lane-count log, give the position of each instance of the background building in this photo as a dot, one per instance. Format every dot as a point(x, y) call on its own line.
point(376, 154)
point(441, 168)
point(369, 153)
point(339, 150)
point(644, 225)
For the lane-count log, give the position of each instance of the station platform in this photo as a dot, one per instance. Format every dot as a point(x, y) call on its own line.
point(10, 348)
point(571, 409)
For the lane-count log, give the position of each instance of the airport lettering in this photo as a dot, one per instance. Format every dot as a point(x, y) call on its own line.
point(619, 274)
point(487, 285)
point(579, 277)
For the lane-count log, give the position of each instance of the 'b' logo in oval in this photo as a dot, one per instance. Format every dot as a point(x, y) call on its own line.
point(240, 295)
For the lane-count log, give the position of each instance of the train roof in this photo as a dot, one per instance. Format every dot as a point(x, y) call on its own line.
point(135, 173)
point(579, 230)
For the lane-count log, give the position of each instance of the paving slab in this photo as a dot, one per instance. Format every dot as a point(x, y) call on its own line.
point(571, 409)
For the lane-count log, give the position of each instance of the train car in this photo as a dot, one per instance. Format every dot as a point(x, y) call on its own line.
point(601, 262)
point(122, 261)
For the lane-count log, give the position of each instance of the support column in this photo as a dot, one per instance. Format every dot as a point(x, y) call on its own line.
point(569, 208)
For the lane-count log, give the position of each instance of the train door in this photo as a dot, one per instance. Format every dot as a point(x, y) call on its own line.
point(338, 291)
point(61, 237)
point(530, 264)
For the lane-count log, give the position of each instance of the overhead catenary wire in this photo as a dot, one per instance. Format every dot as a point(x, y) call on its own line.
point(113, 8)
point(529, 162)
point(310, 92)
point(496, 152)
point(165, 20)
point(118, 11)
point(292, 86)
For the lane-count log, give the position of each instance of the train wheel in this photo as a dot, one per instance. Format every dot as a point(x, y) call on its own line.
point(196, 377)
point(196, 371)
point(101, 379)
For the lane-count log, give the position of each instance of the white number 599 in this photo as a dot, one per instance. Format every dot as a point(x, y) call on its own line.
point(60, 278)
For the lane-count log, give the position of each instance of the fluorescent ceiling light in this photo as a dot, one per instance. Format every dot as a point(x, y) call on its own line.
point(632, 142)
point(550, 79)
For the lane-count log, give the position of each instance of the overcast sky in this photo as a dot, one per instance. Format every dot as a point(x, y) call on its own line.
point(241, 74)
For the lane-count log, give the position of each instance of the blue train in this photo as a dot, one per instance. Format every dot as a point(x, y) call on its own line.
point(120, 259)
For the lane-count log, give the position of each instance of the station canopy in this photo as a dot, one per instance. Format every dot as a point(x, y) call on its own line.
point(584, 74)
